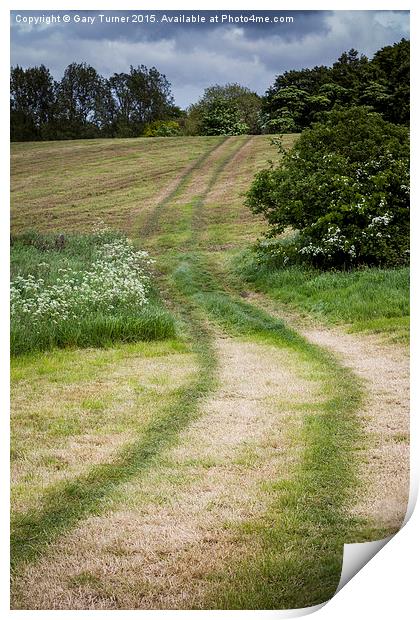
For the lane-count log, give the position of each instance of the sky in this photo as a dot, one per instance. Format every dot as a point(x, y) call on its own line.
point(196, 55)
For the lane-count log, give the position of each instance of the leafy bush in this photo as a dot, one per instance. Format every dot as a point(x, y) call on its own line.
point(222, 118)
point(344, 189)
point(88, 290)
point(230, 109)
point(162, 129)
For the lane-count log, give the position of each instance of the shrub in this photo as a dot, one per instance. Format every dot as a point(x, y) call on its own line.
point(344, 189)
point(162, 129)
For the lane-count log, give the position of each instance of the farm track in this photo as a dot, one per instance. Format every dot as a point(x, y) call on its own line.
point(384, 369)
point(237, 436)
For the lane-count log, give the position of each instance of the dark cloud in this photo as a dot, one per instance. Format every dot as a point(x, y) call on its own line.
point(195, 55)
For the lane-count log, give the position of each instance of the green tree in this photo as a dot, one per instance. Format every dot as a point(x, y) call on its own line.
point(141, 96)
point(32, 103)
point(298, 98)
point(151, 95)
point(119, 85)
point(350, 72)
point(236, 100)
point(288, 109)
point(222, 117)
point(79, 93)
point(392, 65)
point(309, 80)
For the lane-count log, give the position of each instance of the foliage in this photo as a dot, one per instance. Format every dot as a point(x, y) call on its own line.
point(88, 291)
point(222, 118)
point(391, 66)
point(344, 187)
point(32, 104)
point(162, 129)
point(141, 96)
point(83, 104)
point(298, 98)
point(230, 109)
point(78, 95)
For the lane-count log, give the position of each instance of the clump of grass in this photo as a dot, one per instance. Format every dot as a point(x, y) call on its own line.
point(81, 291)
point(370, 299)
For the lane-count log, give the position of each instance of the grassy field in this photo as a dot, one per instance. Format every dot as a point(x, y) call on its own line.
point(93, 291)
point(69, 185)
point(370, 300)
point(220, 467)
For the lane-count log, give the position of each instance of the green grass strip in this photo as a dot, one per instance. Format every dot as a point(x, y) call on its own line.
point(371, 299)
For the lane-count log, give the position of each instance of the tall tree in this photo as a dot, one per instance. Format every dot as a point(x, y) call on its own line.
point(79, 94)
point(141, 96)
point(32, 102)
point(151, 95)
point(298, 98)
point(393, 66)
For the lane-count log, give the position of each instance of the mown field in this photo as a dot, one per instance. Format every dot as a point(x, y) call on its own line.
point(222, 460)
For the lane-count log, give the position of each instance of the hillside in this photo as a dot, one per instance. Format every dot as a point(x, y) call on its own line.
point(225, 466)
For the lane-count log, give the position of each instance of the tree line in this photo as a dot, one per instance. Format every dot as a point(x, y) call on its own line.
point(83, 104)
point(298, 98)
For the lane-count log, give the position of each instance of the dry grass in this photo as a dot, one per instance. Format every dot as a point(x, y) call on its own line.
point(386, 458)
point(65, 185)
point(226, 222)
point(172, 231)
point(62, 426)
point(168, 538)
point(385, 371)
point(165, 536)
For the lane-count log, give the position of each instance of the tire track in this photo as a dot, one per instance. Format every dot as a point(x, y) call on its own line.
point(159, 548)
point(152, 222)
point(158, 554)
point(385, 416)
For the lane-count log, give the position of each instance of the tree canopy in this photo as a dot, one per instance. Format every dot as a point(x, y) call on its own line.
point(298, 98)
point(83, 104)
point(227, 109)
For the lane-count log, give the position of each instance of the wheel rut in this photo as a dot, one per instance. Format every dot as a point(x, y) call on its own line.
point(176, 525)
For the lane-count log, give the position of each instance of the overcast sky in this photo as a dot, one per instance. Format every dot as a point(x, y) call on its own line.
point(194, 56)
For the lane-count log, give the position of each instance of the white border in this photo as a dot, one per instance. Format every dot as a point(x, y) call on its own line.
point(387, 586)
